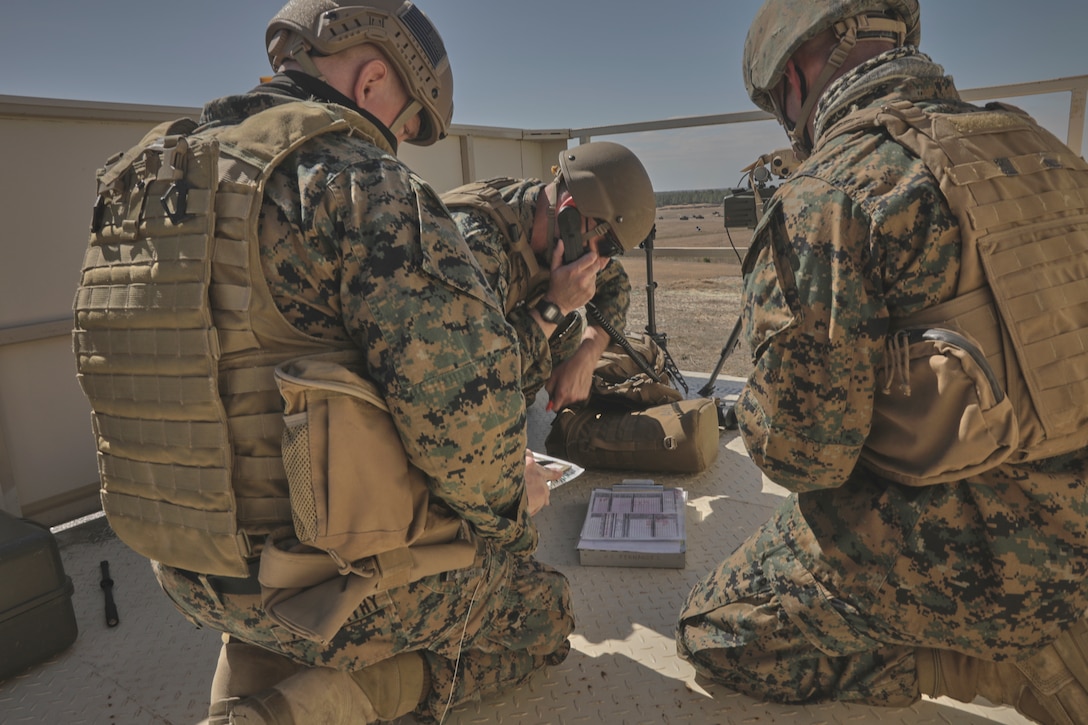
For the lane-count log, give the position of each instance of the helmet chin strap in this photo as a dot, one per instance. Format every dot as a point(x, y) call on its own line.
point(300, 54)
point(849, 32)
point(551, 193)
point(412, 108)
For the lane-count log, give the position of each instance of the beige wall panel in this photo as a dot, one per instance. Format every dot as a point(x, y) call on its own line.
point(48, 191)
point(542, 156)
point(46, 424)
point(501, 157)
point(439, 165)
point(44, 417)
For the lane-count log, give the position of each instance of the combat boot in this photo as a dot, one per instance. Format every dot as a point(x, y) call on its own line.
point(243, 670)
point(323, 696)
point(1050, 687)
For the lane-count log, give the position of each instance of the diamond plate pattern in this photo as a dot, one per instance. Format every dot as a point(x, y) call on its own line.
point(622, 670)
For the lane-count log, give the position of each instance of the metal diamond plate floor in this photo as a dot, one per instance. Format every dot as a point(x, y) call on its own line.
point(154, 668)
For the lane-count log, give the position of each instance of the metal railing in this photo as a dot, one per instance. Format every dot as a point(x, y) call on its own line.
point(1075, 86)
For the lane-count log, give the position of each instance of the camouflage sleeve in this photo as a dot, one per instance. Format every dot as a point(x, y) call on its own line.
point(437, 344)
point(613, 296)
point(486, 242)
point(541, 354)
point(536, 357)
point(488, 246)
point(827, 271)
point(815, 322)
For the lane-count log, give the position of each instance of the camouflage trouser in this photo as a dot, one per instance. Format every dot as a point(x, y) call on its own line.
point(479, 629)
point(830, 598)
point(762, 625)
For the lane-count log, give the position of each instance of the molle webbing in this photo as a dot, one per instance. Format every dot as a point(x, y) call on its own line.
point(526, 276)
point(147, 354)
point(1021, 199)
point(176, 337)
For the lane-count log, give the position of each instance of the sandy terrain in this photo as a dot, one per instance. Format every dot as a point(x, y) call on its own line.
point(696, 302)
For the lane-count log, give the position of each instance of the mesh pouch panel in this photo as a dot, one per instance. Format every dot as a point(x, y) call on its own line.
point(296, 461)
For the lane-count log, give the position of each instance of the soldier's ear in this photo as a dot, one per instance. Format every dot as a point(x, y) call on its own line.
point(371, 82)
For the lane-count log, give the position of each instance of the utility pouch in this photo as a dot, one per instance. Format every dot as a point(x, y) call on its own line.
point(353, 491)
point(363, 519)
point(942, 415)
point(313, 596)
point(680, 436)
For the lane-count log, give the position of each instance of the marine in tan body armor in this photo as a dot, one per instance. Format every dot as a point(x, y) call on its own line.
point(367, 549)
point(512, 228)
point(913, 306)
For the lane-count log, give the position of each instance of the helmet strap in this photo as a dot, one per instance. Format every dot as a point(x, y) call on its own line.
point(849, 31)
point(411, 109)
point(302, 57)
point(291, 46)
point(551, 193)
point(848, 38)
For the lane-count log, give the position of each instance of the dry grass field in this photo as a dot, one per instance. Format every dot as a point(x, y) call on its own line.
point(696, 299)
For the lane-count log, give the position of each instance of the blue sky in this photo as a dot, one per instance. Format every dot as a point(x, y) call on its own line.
point(557, 64)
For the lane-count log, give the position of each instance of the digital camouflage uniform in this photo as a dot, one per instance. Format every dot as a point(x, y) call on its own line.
point(491, 247)
point(829, 599)
point(341, 251)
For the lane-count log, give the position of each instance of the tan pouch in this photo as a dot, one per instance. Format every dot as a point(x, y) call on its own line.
point(363, 518)
point(942, 416)
point(353, 492)
point(313, 596)
point(679, 437)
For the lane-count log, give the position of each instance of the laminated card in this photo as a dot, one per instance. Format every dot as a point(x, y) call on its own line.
point(634, 524)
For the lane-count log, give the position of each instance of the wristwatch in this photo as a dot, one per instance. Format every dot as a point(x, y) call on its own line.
point(549, 311)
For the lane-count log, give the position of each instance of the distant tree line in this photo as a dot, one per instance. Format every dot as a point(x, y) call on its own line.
point(694, 196)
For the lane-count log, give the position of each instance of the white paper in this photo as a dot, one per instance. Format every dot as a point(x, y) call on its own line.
point(569, 471)
point(635, 520)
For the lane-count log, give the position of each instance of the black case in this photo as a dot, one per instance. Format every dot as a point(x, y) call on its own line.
point(36, 616)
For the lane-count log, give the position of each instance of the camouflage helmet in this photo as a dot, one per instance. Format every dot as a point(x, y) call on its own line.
point(782, 26)
point(397, 27)
point(608, 182)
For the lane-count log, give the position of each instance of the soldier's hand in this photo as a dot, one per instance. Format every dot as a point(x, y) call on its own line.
point(571, 380)
point(536, 483)
point(572, 285)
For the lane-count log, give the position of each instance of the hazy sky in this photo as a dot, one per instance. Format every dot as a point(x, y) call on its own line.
point(537, 65)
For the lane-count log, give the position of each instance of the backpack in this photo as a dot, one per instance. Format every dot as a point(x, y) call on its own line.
point(631, 421)
point(619, 381)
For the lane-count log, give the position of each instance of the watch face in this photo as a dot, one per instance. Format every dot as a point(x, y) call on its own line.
point(549, 311)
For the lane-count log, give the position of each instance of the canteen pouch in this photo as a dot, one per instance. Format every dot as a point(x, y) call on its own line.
point(681, 436)
point(942, 415)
